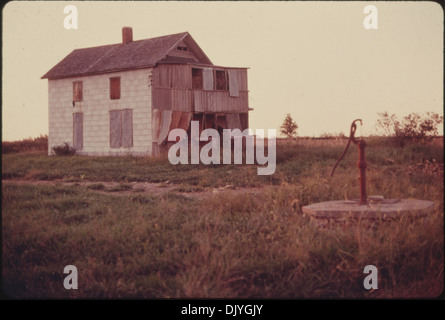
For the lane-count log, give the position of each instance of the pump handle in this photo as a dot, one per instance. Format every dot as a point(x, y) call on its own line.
point(351, 138)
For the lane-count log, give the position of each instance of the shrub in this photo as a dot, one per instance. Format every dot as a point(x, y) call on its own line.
point(329, 135)
point(412, 129)
point(64, 150)
point(30, 144)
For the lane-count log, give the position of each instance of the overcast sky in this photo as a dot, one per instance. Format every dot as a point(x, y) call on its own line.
point(314, 60)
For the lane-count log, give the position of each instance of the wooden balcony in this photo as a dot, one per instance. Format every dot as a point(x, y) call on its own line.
point(198, 100)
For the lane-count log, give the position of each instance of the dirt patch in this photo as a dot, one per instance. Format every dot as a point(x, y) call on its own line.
point(119, 188)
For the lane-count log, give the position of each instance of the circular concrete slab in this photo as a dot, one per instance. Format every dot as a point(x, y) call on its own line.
point(376, 208)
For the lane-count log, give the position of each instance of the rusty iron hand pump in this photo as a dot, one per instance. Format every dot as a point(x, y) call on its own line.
point(361, 163)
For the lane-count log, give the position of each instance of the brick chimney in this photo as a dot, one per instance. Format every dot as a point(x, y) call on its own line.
point(127, 35)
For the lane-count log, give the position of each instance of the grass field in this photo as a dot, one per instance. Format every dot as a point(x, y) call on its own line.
point(127, 243)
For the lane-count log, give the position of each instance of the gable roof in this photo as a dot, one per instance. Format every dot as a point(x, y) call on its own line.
point(119, 57)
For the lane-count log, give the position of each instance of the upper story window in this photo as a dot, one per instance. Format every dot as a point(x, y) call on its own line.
point(197, 80)
point(210, 79)
point(77, 91)
point(182, 48)
point(221, 80)
point(115, 88)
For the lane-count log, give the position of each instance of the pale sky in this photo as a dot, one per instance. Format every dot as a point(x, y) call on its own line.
point(314, 60)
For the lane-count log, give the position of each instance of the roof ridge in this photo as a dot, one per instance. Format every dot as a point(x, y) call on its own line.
point(140, 40)
point(122, 56)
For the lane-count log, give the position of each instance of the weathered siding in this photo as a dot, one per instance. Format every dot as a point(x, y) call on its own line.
point(176, 76)
point(219, 101)
point(172, 99)
point(242, 80)
point(135, 94)
point(172, 90)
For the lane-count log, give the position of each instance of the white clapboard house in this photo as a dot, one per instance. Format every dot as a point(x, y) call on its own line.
point(124, 98)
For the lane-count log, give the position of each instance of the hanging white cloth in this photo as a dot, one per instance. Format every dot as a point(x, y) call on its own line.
point(165, 125)
point(233, 83)
point(207, 75)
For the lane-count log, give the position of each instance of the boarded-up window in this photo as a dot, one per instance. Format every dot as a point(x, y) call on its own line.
point(197, 82)
point(127, 128)
point(78, 131)
point(121, 128)
point(115, 129)
point(115, 88)
point(77, 91)
point(220, 80)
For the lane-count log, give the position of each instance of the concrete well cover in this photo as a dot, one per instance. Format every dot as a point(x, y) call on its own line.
point(388, 208)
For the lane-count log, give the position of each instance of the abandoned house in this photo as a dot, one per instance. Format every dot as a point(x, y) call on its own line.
point(124, 98)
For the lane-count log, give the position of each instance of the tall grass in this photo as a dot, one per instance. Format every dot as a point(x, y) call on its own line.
point(39, 144)
point(169, 246)
point(231, 245)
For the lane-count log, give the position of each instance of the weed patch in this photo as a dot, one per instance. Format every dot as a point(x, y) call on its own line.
point(230, 245)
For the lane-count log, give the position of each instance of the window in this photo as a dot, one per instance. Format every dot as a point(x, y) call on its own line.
point(121, 128)
point(77, 91)
point(115, 88)
point(197, 82)
point(202, 78)
point(220, 80)
point(181, 48)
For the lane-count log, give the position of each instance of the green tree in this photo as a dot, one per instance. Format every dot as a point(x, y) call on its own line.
point(289, 127)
